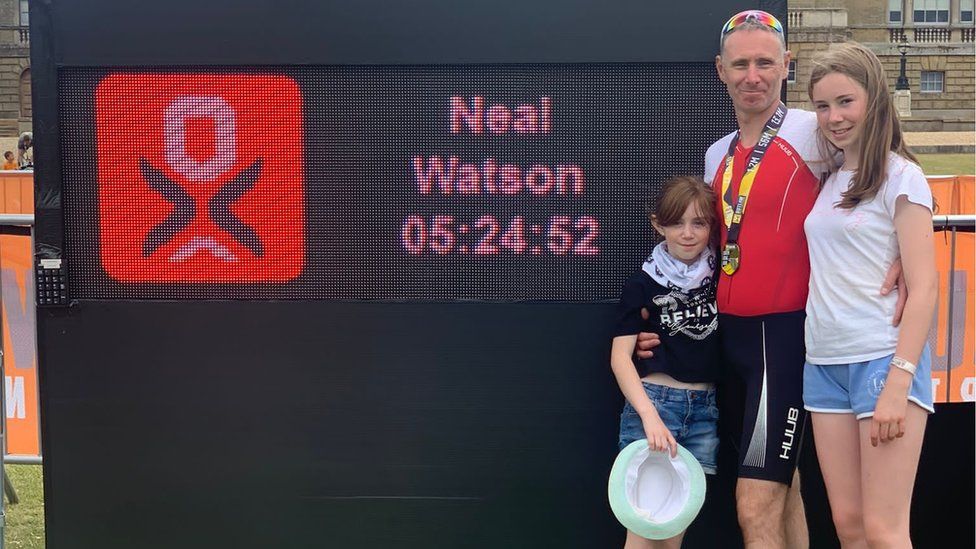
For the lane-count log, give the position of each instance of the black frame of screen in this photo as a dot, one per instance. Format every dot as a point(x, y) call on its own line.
point(103, 33)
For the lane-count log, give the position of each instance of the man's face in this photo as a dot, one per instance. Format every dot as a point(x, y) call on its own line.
point(753, 66)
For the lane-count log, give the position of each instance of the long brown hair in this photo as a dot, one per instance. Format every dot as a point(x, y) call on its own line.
point(880, 129)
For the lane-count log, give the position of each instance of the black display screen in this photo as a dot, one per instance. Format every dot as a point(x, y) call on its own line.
point(443, 182)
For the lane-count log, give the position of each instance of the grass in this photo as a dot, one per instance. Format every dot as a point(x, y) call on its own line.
point(948, 164)
point(25, 521)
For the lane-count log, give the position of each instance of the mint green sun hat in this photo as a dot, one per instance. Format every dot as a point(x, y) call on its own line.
point(654, 495)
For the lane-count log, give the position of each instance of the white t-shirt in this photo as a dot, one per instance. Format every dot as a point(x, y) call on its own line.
point(850, 253)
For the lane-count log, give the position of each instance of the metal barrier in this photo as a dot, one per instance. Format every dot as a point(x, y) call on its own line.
point(953, 224)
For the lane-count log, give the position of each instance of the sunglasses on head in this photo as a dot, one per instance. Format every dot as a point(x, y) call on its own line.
point(759, 16)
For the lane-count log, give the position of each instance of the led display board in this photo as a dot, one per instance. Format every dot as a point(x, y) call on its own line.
point(466, 182)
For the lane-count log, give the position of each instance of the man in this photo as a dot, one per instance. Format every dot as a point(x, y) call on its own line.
point(767, 177)
point(25, 150)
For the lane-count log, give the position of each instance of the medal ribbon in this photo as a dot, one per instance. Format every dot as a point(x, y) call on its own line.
point(733, 215)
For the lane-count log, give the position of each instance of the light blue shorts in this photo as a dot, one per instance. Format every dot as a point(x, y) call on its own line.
point(855, 388)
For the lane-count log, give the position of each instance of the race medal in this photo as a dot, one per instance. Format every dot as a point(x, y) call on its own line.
point(730, 258)
point(733, 215)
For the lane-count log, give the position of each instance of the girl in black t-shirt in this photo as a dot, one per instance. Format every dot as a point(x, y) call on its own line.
point(671, 396)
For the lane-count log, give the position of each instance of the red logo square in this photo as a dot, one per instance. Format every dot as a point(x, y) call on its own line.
point(200, 177)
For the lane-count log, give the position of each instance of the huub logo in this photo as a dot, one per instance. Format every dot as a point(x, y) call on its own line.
point(792, 415)
point(200, 177)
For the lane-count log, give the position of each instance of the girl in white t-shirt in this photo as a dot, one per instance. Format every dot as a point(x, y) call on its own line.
point(867, 383)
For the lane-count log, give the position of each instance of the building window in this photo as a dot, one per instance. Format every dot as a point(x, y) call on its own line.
point(24, 14)
point(966, 11)
point(26, 109)
point(894, 11)
point(791, 75)
point(931, 11)
point(932, 81)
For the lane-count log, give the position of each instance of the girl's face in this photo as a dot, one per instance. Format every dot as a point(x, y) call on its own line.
point(841, 105)
point(687, 238)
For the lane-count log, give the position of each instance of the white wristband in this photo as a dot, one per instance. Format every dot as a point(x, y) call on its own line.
point(902, 364)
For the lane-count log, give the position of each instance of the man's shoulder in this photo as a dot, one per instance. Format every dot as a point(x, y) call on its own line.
point(715, 155)
point(799, 128)
point(721, 146)
point(799, 132)
point(799, 115)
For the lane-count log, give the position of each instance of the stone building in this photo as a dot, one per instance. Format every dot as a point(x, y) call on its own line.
point(936, 35)
point(15, 80)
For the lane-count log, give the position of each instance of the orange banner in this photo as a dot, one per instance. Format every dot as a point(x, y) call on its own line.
point(954, 373)
point(19, 345)
point(16, 192)
point(19, 327)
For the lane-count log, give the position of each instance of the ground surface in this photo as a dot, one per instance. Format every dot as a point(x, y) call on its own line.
point(25, 521)
point(948, 164)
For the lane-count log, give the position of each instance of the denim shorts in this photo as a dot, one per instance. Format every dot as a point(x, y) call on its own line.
point(855, 388)
point(691, 416)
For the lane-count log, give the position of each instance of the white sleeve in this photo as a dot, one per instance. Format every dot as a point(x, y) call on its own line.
point(800, 131)
point(906, 179)
point(714, 156)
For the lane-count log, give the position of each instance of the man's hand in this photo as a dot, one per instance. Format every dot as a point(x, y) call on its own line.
point(894, 279)
point(646, 340)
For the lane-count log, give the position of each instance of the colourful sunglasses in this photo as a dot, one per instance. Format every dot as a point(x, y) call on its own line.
point(759, 16)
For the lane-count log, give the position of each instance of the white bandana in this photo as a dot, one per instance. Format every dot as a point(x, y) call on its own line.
point(670, 272)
